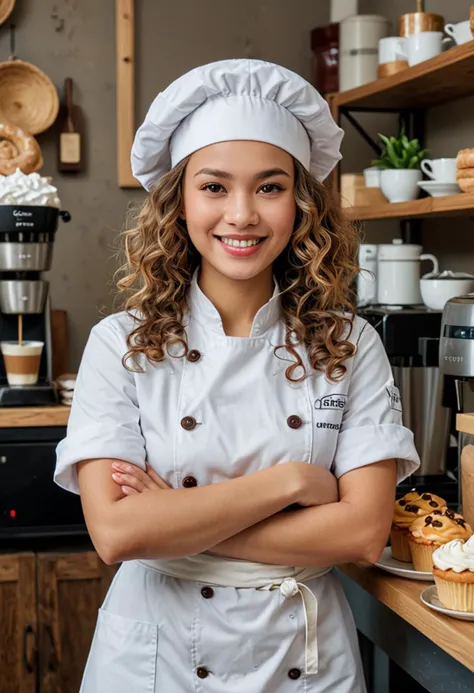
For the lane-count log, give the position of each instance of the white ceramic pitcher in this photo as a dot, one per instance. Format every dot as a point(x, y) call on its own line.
point(398, 273)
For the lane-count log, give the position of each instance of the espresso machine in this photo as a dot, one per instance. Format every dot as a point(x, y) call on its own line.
point(410, 336)
point(456, 359)
point(26, 249)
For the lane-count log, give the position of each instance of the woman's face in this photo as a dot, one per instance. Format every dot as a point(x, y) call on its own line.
point(239, 206)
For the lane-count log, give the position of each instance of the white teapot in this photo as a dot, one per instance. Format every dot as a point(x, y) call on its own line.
point(398, 273)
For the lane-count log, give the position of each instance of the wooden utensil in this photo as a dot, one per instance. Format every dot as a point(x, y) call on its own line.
point(70, 139)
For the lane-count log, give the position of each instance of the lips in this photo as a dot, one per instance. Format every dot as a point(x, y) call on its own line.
point(240, 245)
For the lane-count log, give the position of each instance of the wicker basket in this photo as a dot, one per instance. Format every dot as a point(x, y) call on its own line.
point(28, 98)
point(6, 8)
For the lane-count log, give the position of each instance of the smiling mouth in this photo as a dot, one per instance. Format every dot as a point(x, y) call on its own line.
point(234, 243)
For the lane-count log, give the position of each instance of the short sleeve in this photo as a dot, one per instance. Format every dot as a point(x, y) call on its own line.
point(372, 428)
point(104, 419)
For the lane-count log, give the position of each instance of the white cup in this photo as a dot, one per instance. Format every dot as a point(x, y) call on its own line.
point(460, 32)
point(372, 177)
point(441, 170)
point(389, 48)
point(22, 362)
point(421, 46)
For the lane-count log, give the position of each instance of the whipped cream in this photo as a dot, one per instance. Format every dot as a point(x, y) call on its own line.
point(33, 189)
point(455, 555)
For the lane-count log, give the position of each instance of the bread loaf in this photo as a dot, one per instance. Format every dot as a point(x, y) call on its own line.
point(465, 158)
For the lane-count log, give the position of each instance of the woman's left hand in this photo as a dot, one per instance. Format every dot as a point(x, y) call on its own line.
point(132, 479)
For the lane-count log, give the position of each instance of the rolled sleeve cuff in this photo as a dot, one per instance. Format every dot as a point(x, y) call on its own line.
point(96, 441)
point(360, 446)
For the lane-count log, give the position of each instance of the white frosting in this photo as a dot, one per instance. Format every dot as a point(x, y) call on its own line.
point(32, 189)
point(455, 555)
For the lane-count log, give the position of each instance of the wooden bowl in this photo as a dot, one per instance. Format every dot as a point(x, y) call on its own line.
point(387, 69)
point(28, 98)
point(6, 8)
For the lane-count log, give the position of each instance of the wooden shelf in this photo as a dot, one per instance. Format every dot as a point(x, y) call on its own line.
point(446, 77)
point(451, 205)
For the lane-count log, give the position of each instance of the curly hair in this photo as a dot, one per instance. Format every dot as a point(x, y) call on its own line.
point(315, 275)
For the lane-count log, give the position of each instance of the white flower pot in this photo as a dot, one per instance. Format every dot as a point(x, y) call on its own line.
point(400, 184)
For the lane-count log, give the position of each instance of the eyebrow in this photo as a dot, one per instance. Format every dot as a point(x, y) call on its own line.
point(216, 173)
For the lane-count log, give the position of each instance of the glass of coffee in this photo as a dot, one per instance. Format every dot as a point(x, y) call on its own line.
point(22, 361)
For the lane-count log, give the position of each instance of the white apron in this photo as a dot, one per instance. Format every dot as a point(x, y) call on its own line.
point(226, 411)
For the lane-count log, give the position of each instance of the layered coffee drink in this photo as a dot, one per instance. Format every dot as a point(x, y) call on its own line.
point(22, 361)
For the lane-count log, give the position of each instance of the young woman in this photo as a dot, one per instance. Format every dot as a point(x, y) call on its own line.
point(232, 436)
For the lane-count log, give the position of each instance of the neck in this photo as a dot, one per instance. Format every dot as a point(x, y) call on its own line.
point(237, 301)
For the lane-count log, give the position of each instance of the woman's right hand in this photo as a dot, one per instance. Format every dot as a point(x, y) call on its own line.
point(315, 485)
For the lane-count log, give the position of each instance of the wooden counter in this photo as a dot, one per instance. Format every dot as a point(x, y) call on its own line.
point(17, 417)
point(402, 596)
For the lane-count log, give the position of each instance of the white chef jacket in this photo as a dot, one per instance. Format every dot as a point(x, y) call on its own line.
point(225, 411)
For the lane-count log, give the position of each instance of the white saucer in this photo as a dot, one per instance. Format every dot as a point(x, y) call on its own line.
point(437, 188)
point(429, 597)
point(391, 565)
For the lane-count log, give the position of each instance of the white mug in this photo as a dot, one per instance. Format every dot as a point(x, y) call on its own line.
point(389, 48)
point(441, 170)
point(421, 46)
point(460, 32)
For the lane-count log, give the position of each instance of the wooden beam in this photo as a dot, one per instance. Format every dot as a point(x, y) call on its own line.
point(125, 58)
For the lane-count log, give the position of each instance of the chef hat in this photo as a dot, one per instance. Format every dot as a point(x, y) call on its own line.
point(236, 100)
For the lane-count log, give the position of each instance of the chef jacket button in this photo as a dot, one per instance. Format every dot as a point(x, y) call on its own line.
point(207, 592)
point(294, 674)
point(188, 423)
point(294, 421)
point(189, 482)
point(202, 672)
point(194, 355)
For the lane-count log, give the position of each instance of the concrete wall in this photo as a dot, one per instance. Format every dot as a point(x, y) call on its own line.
point(76, 38)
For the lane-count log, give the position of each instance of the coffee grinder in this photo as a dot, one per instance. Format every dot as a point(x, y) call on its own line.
point(26, 249)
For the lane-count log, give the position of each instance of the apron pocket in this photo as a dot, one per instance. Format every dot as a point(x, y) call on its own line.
point(122, 657)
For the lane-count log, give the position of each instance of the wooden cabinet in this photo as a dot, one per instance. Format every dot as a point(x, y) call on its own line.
point(48, 611)
point(18, 623)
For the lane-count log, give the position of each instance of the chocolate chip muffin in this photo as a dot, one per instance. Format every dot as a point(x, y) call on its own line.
point(407, 509)
point(432, 531)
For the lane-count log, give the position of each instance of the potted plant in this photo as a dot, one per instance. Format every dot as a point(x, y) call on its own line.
point(400, 162)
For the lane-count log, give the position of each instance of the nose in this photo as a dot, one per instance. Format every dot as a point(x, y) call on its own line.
point(240, 210)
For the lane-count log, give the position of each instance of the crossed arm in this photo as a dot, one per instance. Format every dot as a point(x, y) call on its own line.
point(239, 518)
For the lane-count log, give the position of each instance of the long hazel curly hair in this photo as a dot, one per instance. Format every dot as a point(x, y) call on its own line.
point(315, 274)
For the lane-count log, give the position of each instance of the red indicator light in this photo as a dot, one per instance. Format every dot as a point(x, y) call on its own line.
point(13, 514)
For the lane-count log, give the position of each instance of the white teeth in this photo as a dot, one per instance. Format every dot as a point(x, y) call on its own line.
point(240, 244)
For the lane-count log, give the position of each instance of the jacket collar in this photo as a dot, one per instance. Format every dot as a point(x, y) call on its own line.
point(203, 311)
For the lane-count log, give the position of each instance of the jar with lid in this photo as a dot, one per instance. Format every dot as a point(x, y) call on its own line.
point(358, 49)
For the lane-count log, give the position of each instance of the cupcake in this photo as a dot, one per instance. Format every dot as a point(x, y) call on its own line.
point(407, 509)
point(431, 531)
point(453, 571)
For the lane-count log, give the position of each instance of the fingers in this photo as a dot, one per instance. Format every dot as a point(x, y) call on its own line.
point(135, 477)
point(128, 490)
point(130, 481)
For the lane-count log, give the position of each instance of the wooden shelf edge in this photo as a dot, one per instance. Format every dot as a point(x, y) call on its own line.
point(450, 205)
point(447, 59)
point(19, 417)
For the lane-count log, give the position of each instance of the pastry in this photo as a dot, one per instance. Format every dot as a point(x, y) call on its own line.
point(465, 158)
point(431, 531)
point(18, 150)
point(407, 509)
point(453, 571)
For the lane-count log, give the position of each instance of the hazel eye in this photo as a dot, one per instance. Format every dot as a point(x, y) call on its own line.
point(213, 187)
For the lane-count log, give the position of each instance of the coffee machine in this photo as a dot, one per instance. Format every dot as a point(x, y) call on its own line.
point(410, 336)
point(26, 249)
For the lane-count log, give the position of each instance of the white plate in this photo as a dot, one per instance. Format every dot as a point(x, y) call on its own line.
point(436, 188)
point(405, 570)
point(429, 597)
